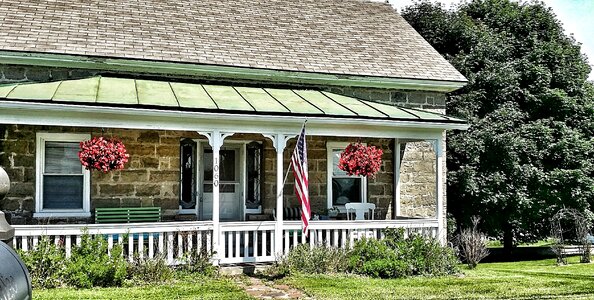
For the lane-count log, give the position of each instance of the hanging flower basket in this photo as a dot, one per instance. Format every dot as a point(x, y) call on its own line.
point(103, 154)
point(360, 160)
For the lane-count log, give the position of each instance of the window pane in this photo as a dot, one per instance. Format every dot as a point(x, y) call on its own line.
point(207, 161)
point(336, 157)
point(62, 158)
point(345, 190)
point(226, 166)
point(188, 171)
point(62, 192)
point(227, 170)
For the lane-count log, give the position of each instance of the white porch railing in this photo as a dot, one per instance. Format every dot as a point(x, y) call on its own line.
point(240, 242)
point(169, 239)
point(246, 242)
point(260, 236)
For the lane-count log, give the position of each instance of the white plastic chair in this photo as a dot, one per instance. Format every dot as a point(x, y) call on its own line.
point(360, 209)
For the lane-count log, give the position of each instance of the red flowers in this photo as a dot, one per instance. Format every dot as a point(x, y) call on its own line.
point(103, 154)
point(358, 159)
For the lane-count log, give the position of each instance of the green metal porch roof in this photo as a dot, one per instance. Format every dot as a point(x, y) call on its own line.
point(137, 93)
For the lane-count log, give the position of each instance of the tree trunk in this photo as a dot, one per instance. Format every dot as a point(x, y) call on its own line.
point(508, 239)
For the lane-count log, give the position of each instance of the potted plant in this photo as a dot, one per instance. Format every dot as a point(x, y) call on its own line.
point(333, 212)
point(360, 160)
point(103, 154)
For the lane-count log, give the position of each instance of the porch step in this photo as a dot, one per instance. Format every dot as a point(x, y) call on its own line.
point(243, 269)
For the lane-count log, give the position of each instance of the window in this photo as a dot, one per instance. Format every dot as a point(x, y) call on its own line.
point(343, 189)
point(62, 184)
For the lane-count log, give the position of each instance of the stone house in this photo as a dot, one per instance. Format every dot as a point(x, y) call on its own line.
point(198, 90)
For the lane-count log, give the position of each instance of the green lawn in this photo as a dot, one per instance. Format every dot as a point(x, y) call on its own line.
point(517, 280)
point(187, 288)
point(541, 243)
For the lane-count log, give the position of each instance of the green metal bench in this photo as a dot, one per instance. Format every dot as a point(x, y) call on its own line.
point(127, 215)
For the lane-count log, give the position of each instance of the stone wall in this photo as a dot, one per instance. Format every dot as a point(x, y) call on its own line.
point(152, 175)
point(379, 189)
point(406, 98)
point(417, 180)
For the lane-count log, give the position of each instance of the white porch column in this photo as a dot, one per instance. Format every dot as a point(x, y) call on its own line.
point(216, 139)
point(439, 168)
point(279, 141)
point(397, 187)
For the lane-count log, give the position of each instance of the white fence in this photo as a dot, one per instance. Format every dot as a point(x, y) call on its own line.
point(240, 242)
point(171, 240)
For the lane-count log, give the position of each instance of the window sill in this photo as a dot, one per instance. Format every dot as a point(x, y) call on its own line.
point(61, 214)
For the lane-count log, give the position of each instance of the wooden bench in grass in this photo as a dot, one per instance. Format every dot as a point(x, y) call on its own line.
point(127, 215)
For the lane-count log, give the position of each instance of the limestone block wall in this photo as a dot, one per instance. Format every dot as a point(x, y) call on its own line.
point(418, 180)
point(379, 189)
point(151, 177)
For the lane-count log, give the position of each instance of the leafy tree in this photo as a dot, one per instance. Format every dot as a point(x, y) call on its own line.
point(530, 148)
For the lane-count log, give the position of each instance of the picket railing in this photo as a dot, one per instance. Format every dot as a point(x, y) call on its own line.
point(246, 242)
point(239, 242)
point(171, 240)
point(343, 234)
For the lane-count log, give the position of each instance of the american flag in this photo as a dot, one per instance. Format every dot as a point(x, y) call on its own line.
point(299, 163)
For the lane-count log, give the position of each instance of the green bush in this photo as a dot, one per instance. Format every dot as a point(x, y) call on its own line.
point(46, 264)
point(311, 260)
point(397, 256)
point(91, 265)
point(198, 262)
point(150, 270)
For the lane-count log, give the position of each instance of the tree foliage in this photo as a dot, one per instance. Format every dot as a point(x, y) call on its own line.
point(530, 149)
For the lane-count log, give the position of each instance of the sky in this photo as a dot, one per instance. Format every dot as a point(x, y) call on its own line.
point(577, 17)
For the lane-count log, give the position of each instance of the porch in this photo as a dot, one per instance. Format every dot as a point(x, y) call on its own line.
point(189, 147)
point(239, 242)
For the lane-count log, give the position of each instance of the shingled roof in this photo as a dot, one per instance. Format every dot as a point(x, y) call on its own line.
point(351, 37)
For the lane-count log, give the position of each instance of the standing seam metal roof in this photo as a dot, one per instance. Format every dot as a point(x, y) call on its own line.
point(136, 93)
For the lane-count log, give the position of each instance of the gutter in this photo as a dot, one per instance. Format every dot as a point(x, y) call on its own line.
point(164, 68)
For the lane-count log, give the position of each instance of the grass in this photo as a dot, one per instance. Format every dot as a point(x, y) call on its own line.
point(541, 243)
point(185, 288)
point(518, 280)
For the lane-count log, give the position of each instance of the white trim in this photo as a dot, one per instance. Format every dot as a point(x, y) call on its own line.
point(239, 145)
point(397, 186)
point(330, 146)
point(439, 180)
point(40, 140)
point(32, 113)
point(61, 214)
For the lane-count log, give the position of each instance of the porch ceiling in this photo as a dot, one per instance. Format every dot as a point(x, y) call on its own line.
point(176, 96)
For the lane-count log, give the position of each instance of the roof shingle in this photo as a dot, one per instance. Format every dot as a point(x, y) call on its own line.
point(351, 37)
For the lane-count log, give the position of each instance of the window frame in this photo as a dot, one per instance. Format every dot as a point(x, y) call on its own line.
point(40, 212)
point(330, 147)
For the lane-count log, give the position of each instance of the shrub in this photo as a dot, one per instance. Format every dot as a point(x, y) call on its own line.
point(46, 264)
point(311, 260)
point(150, 270)
point(91, 265)
point(397, 256)
point(472, 244)
point(198, 262)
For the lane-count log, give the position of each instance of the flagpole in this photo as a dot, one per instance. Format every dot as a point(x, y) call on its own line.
point(288, 170)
